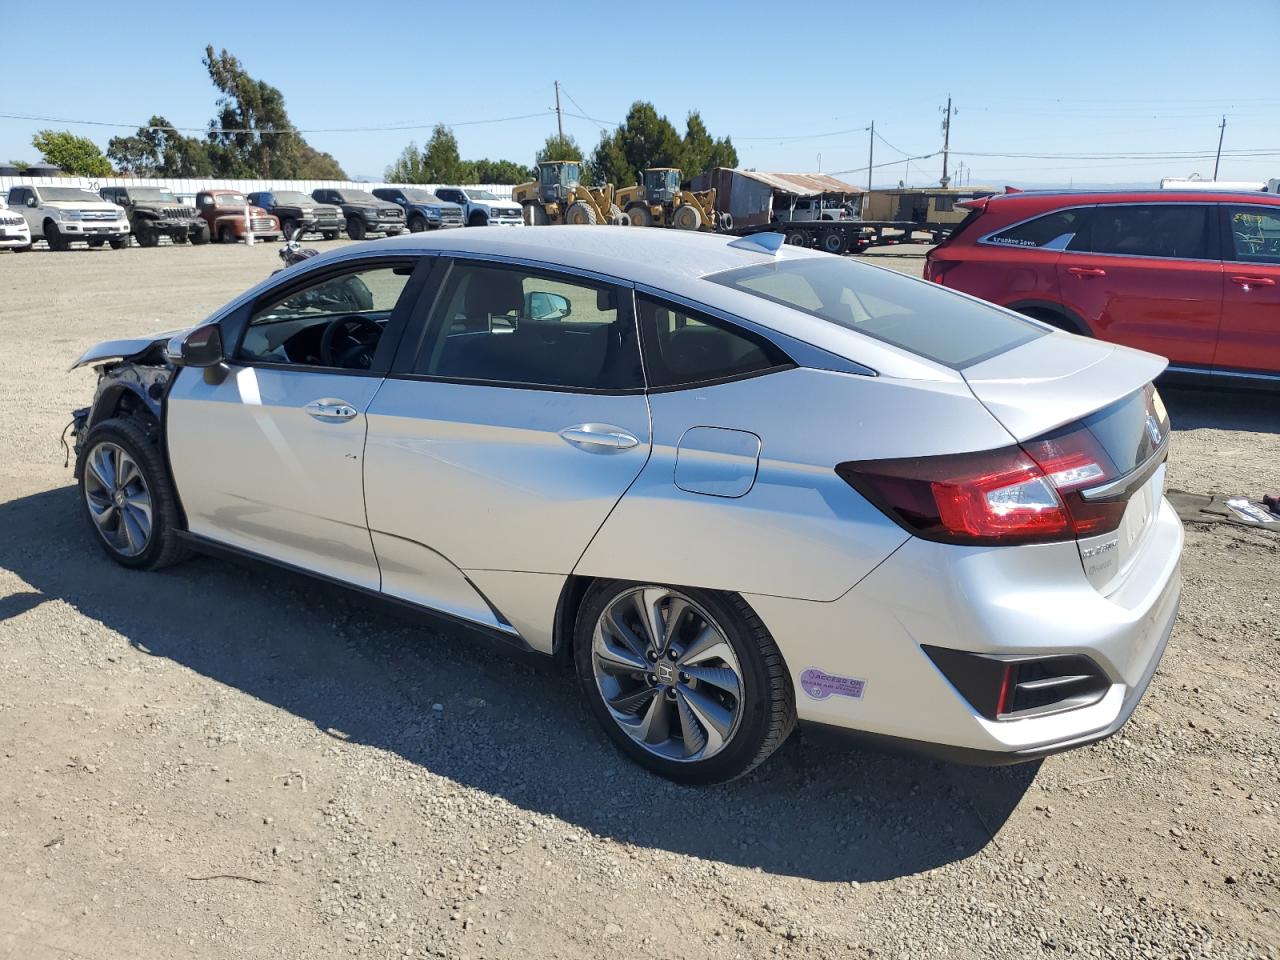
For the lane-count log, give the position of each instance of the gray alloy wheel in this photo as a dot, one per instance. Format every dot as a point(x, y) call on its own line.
point(667, 673)
point(118, 498)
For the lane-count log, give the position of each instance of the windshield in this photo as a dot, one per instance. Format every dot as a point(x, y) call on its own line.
point(357, 196)
point(68, 194)
point(230, 199)
point(481, 195)
point(920, 317)
point(420, 196)
point(151, 195)
point(293, 198)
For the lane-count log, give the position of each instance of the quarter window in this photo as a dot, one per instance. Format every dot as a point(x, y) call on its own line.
point(1255, 234)
point(1172, 230)
point(1054, 231)
point(683, 348)
point(507, 325)
point(335, 322)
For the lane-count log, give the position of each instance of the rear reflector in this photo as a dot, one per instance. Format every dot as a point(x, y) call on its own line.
point(1019, 687)
point(1016, 494)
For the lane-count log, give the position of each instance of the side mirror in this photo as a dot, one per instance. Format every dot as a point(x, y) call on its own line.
point(202, 347)
point(540, 305)
point(32, 202)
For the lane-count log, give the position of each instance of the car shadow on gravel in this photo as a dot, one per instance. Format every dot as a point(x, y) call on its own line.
point(1253, 411)
point(503, 724)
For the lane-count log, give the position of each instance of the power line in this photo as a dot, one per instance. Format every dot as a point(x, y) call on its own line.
point(416, 125)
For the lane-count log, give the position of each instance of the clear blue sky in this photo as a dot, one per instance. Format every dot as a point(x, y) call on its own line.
point(1078, 77)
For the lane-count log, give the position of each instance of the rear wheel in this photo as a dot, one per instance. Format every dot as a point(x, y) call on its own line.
point(355, 228)
point(833, 241)
point(686, 217)
point(797, 238)
point(128, 497)
point(686, 682)
point(580, 214)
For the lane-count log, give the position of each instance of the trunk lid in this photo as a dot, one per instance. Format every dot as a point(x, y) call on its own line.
point(1065, 381)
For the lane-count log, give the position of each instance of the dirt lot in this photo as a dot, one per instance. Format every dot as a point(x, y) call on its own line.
point(217, 762)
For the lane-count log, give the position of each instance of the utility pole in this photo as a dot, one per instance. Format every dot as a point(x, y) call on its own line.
point(946, 142)
point(871, 155)
point(559, 112)
point(1222, 129)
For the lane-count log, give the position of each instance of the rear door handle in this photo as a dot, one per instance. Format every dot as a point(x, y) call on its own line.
point(1085, 272)
point(598, 436)
point(1254, 281)
point(330, 410)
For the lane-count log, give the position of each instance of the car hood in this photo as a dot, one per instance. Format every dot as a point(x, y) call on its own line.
point(79, 205)
point(123, 349)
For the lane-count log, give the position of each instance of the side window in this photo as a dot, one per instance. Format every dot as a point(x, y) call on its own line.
point(683, 348)
point(1152, 230)
point(513, 326)
point(1053, 231)
point(1255, 234)
point(204, 200)
point(335, 322)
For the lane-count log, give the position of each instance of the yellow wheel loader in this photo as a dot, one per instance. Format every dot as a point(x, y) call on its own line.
point(558, 196)
point(660, 202)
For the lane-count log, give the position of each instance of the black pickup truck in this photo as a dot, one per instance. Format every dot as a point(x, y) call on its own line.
point(295, 209)
point(365, 213)
point(154, 212)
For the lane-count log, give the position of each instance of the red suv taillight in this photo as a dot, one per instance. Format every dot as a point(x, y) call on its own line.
point(1017, 494)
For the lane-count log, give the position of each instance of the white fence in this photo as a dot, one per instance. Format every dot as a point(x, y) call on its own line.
point(195, 184)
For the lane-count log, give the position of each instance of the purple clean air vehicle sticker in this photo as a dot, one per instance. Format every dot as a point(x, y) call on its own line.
point(820, 685)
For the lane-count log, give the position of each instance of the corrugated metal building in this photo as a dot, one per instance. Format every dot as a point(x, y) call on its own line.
point(748, 195)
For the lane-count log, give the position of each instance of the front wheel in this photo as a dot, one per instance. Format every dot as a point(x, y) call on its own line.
point(54, 237)
point(330, 234)
point(200, 234)
point(119, 243)
point(417, 224)
point(688, 683)
point(128, 497)
point(355, 228)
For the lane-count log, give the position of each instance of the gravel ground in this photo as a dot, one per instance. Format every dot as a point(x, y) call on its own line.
point(219, 762)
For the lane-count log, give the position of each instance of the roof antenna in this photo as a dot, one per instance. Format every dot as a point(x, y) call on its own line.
point(770, 242)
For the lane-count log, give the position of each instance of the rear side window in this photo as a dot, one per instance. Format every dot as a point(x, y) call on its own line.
point(1053, 231)
point(1151, 230)
point(919, 317)
point(684, 348)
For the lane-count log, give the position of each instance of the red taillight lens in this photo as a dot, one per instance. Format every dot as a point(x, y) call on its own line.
point(1010, 495)
point(937, 270)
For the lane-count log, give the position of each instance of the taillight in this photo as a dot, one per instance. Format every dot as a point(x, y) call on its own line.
point(936, 270)
point(1026, 494)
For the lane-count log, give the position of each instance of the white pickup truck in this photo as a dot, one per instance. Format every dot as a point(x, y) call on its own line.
point(59, 215)
point(15, 235)
point(480, 208)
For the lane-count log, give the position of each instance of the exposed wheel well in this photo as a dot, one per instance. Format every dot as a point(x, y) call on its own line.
point(571, 594)
point(1057, 317)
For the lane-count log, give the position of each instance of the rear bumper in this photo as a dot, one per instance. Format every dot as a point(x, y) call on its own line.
point(1002, 600)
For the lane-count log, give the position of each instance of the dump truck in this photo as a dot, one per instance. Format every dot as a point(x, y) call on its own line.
point(659, 201)
point(559, 196)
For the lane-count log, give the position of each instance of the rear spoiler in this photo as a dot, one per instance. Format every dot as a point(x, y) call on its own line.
point(980, 203)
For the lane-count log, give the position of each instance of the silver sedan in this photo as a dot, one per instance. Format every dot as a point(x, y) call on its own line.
point(736, 484)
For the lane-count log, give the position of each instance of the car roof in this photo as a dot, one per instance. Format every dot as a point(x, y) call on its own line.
point(1135, 196)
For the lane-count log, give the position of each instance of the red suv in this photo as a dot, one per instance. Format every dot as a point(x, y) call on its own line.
point(1192, 276)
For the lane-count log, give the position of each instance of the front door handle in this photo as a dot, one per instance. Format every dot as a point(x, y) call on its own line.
point(330, 410)
point(1086, 272)
point(598, 436)
point(1248, 282)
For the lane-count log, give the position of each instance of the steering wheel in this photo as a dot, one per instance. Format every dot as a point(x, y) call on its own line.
point(349, 341)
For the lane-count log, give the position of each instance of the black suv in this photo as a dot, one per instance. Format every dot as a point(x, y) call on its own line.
point(365, 213)
point(424, 209)
point(154, 212)
point(295, 209)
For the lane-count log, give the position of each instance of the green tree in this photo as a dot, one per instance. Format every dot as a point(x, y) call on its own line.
point(702, 152)
point(408, 166)
point(644, 140)
point(441, 162)
point(157, 150)
point(75, 155)
point(251, 135)
point(498, 171)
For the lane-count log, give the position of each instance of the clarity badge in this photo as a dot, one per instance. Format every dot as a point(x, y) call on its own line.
point(820, 685)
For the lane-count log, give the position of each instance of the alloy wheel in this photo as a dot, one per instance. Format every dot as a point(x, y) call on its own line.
point(118, 498)
point(667, 673)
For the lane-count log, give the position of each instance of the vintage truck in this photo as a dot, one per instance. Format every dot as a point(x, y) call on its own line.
point(224, 212)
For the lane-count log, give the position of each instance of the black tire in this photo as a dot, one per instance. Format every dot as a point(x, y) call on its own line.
point(163, 546)
point(96, 242)
point(200, 234)
point(54, 238)
point(797, 238)
point(287, 226)
point(355, 228)
point(395, 232)
point(119, 243)
point(226, 234)
point(178, 238)
point(21, 249)
point(768, 711)
point(330, 234)
point(147, 237)
point(477, 219)
point(833, 241)
point(417, 223)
